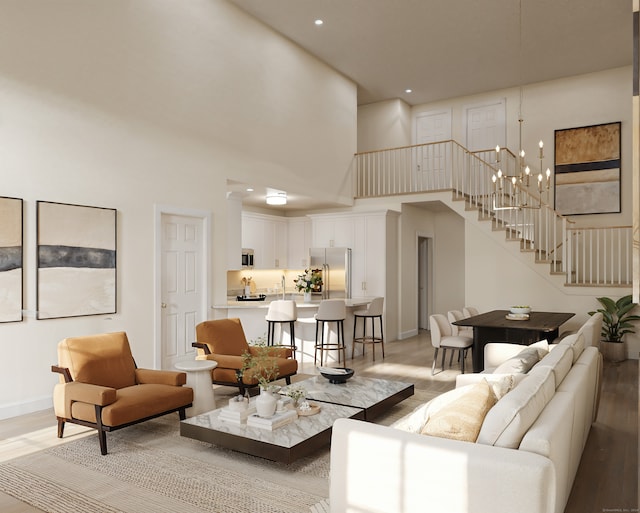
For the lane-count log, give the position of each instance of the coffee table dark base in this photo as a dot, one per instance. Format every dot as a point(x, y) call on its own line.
point(258, 448)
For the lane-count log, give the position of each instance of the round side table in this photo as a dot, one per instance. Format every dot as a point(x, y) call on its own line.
point(199, 378)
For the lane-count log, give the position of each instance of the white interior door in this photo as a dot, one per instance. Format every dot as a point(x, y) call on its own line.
point(424, 283)
point(183, 285)
point(431, 164)
point(485, 125)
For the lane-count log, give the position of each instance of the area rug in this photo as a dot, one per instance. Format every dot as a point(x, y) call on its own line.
point(151, 468)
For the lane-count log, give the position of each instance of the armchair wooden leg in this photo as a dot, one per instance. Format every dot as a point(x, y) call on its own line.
point(182, 413)
point(287, 380)
point(102, 434)
point(60, 427)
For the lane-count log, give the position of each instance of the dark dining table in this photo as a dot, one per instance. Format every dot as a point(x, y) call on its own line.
point(494, 326)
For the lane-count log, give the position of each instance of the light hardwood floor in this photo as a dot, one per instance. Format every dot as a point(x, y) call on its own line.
point(607, 479)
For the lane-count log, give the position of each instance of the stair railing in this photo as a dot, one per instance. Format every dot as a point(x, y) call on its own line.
point(447, 165)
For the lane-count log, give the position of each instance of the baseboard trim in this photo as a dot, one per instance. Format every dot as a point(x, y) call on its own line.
point(8, 411)
point(408, 334)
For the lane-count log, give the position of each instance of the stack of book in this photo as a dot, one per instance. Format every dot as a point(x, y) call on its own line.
point(235, 416)
point(279, 419)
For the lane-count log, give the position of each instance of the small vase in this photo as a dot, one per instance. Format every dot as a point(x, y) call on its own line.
point(266, 403)
point(307, 297)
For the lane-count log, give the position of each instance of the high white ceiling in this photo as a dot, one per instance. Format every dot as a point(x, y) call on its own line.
point(450, 48)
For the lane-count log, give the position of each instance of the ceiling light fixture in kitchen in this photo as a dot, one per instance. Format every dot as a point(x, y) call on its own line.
point(275, 197)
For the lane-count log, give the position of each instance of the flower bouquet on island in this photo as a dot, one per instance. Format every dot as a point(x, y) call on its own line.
point(310, 281)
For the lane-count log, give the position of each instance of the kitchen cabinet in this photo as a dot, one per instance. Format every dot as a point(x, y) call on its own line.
point(332, 231)
point(234, 231)
point(368, 277)
point(299, 242)
point(268, 237)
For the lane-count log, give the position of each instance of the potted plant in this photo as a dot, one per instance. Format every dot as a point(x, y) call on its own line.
point(265, 369)
point(617, 321)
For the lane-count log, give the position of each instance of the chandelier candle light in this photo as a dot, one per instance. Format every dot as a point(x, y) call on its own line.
point(517, 199)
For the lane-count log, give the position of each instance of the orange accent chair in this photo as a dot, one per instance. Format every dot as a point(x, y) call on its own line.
point(101, 386)
point(224, 341)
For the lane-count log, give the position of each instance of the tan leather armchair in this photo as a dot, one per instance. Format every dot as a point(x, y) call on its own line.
point(224, 341)
point(101, 387)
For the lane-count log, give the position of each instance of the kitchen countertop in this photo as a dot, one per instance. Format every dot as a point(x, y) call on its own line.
point(246, 305)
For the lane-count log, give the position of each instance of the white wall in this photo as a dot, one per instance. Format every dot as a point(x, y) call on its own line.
point(384, 125)
point(128, 105)
point(446, 230)
point(497, 282)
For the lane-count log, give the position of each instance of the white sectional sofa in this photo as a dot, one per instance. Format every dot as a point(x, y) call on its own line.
point(524, 460)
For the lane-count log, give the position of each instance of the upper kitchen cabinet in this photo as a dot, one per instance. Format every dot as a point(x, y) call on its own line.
point(268, 237)
point(332, 231)
point(234, 231)
point(299, 242)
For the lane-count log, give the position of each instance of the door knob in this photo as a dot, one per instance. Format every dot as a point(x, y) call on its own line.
point(163, 305)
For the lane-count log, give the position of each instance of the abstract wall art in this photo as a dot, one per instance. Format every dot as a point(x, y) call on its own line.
point(76, 260)
point(11, 261)
point(587, 170)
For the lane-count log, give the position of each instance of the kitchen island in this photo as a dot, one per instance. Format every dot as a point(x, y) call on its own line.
point(252, 315)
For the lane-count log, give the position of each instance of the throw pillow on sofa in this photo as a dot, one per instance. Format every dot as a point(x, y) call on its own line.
point(520, 363)
point(463, 417)
point(513, 415)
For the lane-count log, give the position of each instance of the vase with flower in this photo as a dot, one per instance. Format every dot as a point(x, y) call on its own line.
point(308, 282)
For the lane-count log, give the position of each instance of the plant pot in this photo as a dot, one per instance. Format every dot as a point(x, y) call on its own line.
point(613, 352)
point(266, 404)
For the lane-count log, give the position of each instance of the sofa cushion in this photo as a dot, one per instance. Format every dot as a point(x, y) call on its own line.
point(414, 421)
point(559, 361)
point(520, 363)
point(542, 346)
point(576, 342)
point(461, 419)
point(507, 422)
point(501, 383)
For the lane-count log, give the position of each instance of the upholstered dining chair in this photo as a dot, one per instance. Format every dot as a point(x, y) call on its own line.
point(470, 311)
point(224, 341)
point(101, 386)
point(463, 331)
point(442, 337)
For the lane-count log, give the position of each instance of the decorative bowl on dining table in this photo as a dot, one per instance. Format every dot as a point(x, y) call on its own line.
point(520, 310)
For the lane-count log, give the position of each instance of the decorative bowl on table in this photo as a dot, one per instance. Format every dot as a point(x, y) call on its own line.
point(520, 310)
point(336, 374)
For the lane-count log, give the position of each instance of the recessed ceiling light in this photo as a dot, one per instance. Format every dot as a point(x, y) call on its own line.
point(249, 189)
point(408, 90)
point(318, 22)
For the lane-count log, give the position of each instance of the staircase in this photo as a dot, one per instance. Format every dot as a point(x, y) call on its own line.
point(577, 256)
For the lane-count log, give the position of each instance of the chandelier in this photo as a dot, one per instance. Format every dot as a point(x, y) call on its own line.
point(517, 198)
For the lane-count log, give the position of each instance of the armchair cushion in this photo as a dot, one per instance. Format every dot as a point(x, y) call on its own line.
point(223, 336)
point(109, 363)
point(160, 377)
point(135, 403)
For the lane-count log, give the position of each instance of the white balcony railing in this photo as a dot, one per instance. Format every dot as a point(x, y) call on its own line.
point(593, 256)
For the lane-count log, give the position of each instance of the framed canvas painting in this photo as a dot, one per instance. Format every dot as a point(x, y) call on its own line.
point(76, 260)
point(11, 259)
point(587, 170)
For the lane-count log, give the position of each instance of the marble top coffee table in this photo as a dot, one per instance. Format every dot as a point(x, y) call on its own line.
point(285, 444)
point(374, 396)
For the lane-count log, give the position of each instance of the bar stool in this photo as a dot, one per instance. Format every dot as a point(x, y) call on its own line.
point(372, 312)
point(330, 310)
point(282, 311)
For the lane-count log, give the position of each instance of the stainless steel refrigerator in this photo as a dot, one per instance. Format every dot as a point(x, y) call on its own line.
point(335, 265)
